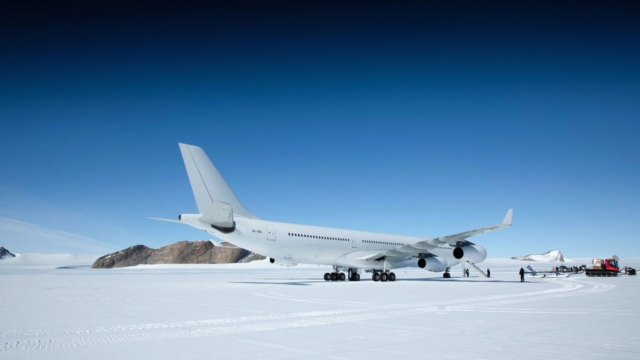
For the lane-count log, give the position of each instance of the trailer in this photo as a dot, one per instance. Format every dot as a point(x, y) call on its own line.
point(603, 267)
point(627, 271)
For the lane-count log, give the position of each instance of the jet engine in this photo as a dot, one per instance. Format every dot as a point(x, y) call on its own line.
point(432, 263)
point(470, 253)
point(282, 262)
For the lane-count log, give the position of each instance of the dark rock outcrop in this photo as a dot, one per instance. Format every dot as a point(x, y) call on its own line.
point(4, 253)
point(132, 256)
point(183, 252)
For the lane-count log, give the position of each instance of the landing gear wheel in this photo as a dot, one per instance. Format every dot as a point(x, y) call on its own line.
point(352, 275)
point(357, 277)
point(446, 275)
point(392, 277)
point(342, 276)
point(376, 277)
point(327, 277)
point(334, 277)
point(384, 277)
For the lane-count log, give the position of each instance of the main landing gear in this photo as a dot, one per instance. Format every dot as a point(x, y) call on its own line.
point(383, 276)
point(353, 275)
point(336, 275)
point(446, 274)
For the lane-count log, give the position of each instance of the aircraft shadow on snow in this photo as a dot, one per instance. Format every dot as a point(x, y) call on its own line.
point(314, 281)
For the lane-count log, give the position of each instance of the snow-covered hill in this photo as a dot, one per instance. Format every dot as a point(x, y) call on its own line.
point(47, 261)
point(549, 256)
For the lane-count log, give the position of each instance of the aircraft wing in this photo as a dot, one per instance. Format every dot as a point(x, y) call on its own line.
point(422, 247)
point(454, 239)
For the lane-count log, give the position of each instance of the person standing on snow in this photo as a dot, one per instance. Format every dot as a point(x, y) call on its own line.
point(521, 275)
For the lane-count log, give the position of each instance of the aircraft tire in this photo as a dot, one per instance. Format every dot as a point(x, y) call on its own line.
point(357, 277)
point(384, 277)
point(392, 277)
point(327, 276)
point(334, 276)
point(342, 277)
point(375, 277)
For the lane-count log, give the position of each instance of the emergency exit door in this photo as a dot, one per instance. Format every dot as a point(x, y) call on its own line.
point(271, 232)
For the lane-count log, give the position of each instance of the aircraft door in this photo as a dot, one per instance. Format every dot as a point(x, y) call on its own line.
point(271, 232)
point(353, 242)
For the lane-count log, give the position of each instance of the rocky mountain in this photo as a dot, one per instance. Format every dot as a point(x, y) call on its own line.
point(549, 256)
point(4, 253)
point(183, 252)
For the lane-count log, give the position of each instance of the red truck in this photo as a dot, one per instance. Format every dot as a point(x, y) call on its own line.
point(603, 267)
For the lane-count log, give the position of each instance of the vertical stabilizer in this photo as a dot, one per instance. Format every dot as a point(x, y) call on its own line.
point(207, 183)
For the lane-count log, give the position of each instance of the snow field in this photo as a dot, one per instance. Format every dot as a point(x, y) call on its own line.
point(270, 312)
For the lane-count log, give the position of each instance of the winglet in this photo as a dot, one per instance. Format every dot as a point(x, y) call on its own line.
point(507, 218)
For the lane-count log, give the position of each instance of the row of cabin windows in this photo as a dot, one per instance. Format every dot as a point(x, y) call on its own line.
point(318, 237)
point(382, 242)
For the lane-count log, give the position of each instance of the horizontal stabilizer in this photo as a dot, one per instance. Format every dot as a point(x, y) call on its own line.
point(167, 220)
point(220, 246)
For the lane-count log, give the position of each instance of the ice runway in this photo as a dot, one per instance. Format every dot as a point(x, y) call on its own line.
point(264, 311)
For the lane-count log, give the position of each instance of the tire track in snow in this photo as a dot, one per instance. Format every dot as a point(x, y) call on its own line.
point(160, 325)
point(567, 287)
point(190, 334)
point(181, 330)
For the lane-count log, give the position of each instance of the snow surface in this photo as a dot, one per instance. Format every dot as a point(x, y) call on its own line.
point(66, 310)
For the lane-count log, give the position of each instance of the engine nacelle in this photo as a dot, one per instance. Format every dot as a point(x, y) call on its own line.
point(432, 263)
point(282, 262)
point(470, 253)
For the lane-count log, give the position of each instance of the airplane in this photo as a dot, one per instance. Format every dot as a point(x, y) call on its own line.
point(534, 273)
point(222, 215)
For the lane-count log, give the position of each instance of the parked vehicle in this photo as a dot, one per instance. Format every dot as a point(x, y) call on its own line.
point(603, 267)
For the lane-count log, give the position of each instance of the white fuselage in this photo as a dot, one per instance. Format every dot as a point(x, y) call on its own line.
point(290, 244)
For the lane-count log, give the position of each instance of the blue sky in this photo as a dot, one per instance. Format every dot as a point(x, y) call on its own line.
point(402, 118)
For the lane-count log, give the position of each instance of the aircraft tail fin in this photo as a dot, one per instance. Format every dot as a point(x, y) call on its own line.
point(207, 184)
